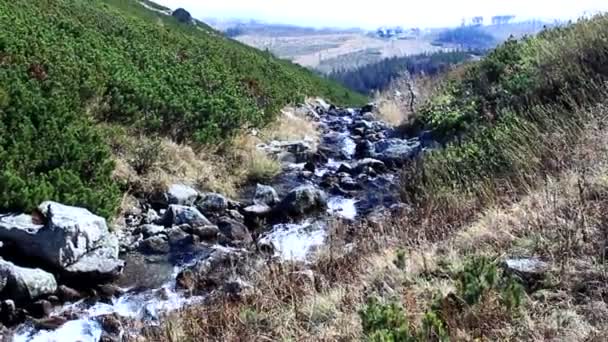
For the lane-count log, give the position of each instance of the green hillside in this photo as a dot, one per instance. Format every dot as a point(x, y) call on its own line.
point(67, 65)
point(508, 118)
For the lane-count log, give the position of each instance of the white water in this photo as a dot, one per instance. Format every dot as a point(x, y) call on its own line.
point(146, 305)
point(343, 207)
point(296, 241)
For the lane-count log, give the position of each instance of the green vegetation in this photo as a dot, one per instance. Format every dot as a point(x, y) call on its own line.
point(378, 76)
point(506, 117)
point(68, 64)
point(386, 322)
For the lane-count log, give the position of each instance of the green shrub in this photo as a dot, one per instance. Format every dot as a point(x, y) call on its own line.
point(388, 323)
point(68, 64)
point(385, 322)
point(502, 117)
point(400, 259)
point(479, 276)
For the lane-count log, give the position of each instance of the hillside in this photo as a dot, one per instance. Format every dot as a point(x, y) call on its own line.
point(73, 68)
point(504, 237)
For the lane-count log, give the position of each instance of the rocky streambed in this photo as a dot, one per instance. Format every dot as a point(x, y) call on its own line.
point(64, 276)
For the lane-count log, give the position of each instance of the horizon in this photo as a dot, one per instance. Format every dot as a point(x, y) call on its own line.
point(365, 15)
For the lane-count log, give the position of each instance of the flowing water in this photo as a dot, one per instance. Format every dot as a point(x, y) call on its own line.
point(297, 240)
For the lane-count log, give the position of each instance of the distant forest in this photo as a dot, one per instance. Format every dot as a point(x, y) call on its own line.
point(467, 37)
point(378, 76)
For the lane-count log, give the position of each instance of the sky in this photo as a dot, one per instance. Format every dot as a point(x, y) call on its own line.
point(371, 14)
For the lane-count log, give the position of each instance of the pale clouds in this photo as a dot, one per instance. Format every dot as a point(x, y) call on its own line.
point(370, 14)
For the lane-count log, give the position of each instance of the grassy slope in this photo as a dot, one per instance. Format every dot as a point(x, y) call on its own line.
point(68, 63)
point(511, 113)
point(435, 271)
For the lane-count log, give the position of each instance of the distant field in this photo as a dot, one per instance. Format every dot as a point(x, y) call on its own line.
point(328, 52)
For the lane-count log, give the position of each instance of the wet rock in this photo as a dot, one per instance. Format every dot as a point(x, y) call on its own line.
point(309, 166)
point(364, 149)
point(109, 291)
point(266, 247)
point(25, 284)
point(265, 195)
point(206, 233)
point(531, 271)
point(370, 107)
point(150, 217)
point(9, 314)
point(155, 245)
point(66, 236)
point(365, 164)
point(344, 168)
point(68, 294)
point(368, 116)
point(179, 214)
point(235, 214)
point(235, 231)
point(212, 204)
point(258, 210)
point(50, 323)
point(149, 230)
point(40, 308)
point(211, 272)
point(302, 200)
point(396, 151)
point(349, 184)
point(111, 324)
point(181, 194)
point(179, 238)
point(186, 280)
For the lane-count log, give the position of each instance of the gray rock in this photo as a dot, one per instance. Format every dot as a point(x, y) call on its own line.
point(97, 265)
point(366, 163)
point(151, 229)
point(396, 150)
point(206, 232)
point(179, 214)
point(155, 245)
point(235, 231)
point(265, 195)
point(530, 270)
point(178, 237)
point(212, 204)
point(150, 217)
point(302, 200)
point(40, 308)
point(181, 194)
point(257, 210)
point(68, 294)
point(67, 235)
point(25, 284)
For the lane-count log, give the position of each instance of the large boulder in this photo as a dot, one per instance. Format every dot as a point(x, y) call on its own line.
point(302, 200)
point(265, 195)
point(68, 239)
point(212, 204)
point(179, 214)
point(396, 151)
point(181, 194)
point(25, 284)
point(235, 231)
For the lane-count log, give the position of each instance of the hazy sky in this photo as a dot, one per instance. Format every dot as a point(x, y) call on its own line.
point(370, 14)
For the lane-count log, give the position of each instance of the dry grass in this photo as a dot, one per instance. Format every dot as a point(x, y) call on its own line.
point(394, 103)
point(146, 165)
point(562, 221)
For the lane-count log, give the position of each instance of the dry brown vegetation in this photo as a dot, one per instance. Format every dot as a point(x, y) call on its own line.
point(414, 260)
point(146, 164)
